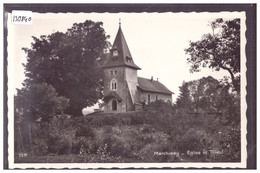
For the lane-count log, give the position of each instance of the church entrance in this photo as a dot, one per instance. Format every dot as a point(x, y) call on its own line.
point(114, 105)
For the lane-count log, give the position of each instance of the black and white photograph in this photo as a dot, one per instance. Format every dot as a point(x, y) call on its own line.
point(126, 89)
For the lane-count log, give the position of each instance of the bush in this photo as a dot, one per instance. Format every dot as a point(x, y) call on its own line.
point(138, 118)
point(159, 106)
point(155, 142)
point(100, 121)
point(195, 140)
point(60, 143)
point(230, 144)
point(40, 147)
point(84, 130)
point(84, 145)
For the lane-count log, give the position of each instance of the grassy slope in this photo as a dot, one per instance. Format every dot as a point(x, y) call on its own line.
point(129, 138)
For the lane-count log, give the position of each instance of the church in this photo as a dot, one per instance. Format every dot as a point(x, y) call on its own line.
point(123, 89)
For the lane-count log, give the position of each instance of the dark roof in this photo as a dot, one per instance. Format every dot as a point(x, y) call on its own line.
point(123, 53)
point(152, 86)
point(112, 94)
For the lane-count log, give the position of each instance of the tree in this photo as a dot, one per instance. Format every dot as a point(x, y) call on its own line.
point(70, 62)
point(39, 102)
point(208, 117)
point(219, 50)
point(208, 95)
point(35, 103)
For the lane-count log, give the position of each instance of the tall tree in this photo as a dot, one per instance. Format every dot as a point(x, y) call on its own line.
point(208, 95)
point(70, 63)
point(208, 117)
point(218, 50)
point(39, 102)
point(35, 103)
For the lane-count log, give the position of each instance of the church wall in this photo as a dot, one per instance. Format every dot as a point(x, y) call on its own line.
point(108, 107)
point(129, 103)
point(119, 76)
point(131, 79)
point(160, 96)
point(122, 88)
point(131, 75)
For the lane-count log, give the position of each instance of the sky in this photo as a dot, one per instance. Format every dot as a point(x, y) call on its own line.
point(156, 41)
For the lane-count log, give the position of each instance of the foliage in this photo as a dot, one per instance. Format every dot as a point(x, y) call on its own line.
point(206, 116)
point(201, 120)
point(160, 114)
point(70, 62)
point(159, 106)
point(39, 102)
point(156, 141)
point(57, 136)
point(85, 131)
point(208, 95)
point(219, 50)
point(229, 138)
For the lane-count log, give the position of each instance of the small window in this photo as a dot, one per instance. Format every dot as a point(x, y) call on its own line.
point(128, 59)
point(115, 53)
point(111, 72)
point(149, 98)
point(156, 96)
point(115, 72)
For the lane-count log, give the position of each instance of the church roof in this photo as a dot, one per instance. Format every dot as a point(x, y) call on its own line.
point(124, 57)
point(152, 86)
point(112, 94)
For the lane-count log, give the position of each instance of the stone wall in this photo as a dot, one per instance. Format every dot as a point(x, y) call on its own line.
point(160, 96)
point(126, 87)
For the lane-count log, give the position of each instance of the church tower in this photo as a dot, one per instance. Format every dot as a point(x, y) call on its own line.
point(120, 77)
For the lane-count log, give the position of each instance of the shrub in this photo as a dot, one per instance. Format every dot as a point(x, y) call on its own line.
point(159, 106)
point(110, 120)
point(84, 130)
point(100, 121)
point(154, 142)
point(138, 118)
point(84, 145)
point(59, 144)
point(194, 139)
point(40, 147)
point(229, 143)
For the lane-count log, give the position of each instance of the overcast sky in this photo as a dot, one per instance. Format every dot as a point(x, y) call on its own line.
point(156, 40)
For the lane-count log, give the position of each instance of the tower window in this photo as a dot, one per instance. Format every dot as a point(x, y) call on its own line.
point(149, 98)
point(115, 53)
point(156, 97)
point(128, 59)
point(113, 85)
point(115, 72)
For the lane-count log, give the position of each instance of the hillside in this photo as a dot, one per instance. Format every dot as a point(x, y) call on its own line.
point(157, 134)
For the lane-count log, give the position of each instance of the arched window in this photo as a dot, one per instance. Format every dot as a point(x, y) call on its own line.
point(113, 85)
point(114, 105)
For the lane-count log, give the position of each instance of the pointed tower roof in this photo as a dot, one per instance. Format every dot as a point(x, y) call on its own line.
point(120, 54)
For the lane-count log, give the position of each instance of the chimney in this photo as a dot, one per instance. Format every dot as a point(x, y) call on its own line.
point(157, 79)
point(152, 78)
